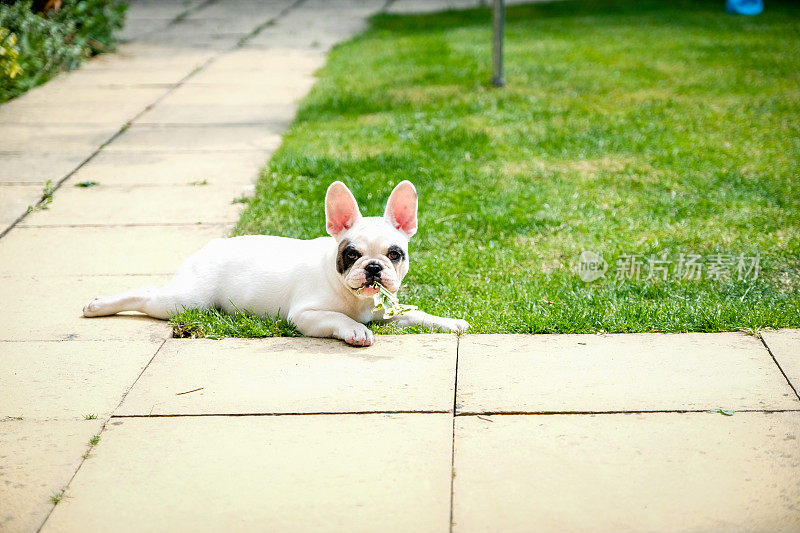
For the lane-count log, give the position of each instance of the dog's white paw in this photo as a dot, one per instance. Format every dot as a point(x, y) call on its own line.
point(92, 308)
point(453, 325)
point(358, 335)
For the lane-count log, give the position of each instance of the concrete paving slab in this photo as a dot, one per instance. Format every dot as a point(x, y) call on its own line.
point(245, 61)
point(51, 309)
point(140, 55)
point(397, 373)
point(255, 12)
point(141, 138)
point(200, 32)
point(651, 372)
point(273, 101)
point(109, 250)
point(627, 472)
point(109, 116)
point(785, 347)
point(67, 380)
point(37, 167)
point(56, 138)
point(275, 88)
point(321, 37)
point(113, 80)
point(296, 473)
point(153, 51)
point(162, 168)
point(160, 9)
point(276, 115)
point(14, 202)
point(37, 460)
point(211, 41)
point(104, 205)
point(130, 77)
point(144, 20)
point(140, 27)
point(201, 23)
point(64, 91)
point(267, 83)
point(317, 25)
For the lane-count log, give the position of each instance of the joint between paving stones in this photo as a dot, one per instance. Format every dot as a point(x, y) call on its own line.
point(100, 433)
point(300, 413)
point(621, 412)
point(180, 17)
point(775, 360)
point(258, 29)
point(455, 411)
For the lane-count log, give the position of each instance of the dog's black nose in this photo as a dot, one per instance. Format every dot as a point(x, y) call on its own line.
point(373, 269)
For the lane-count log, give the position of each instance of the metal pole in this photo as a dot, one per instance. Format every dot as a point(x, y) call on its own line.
point(498, 21)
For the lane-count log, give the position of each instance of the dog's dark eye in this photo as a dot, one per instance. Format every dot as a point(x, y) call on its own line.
point(395, 254)
point(353, 255)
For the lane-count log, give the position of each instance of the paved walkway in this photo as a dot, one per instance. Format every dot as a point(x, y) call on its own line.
point(417, 433)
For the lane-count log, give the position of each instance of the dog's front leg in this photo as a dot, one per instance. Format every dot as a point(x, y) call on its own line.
point(420, 318)
point(332, 324)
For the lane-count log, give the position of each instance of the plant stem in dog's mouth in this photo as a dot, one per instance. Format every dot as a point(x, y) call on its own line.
point(388, 302)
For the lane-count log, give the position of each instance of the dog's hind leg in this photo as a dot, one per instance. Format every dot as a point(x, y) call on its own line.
point(133, 300)
point(154, 301)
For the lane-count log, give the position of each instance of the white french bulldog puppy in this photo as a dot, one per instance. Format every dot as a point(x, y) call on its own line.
point(323, 286)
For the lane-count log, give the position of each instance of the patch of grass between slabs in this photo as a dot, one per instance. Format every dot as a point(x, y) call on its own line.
point(194, 323)
point(47, 197)
point(653, 130)
point(92, 443)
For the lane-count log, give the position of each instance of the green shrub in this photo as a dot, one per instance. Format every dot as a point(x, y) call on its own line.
point(41, 45)
point(9, 64)
point(95, 21)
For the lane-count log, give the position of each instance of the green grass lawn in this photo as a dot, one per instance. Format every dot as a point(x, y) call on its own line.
point(626, 128)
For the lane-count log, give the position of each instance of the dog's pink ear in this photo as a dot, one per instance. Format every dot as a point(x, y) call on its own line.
point(401, 209)
point(341, 209)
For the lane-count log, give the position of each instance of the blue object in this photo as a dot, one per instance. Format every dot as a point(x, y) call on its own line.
point(744, 7)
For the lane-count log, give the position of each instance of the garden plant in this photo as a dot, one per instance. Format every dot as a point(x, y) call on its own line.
point(35, 46)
